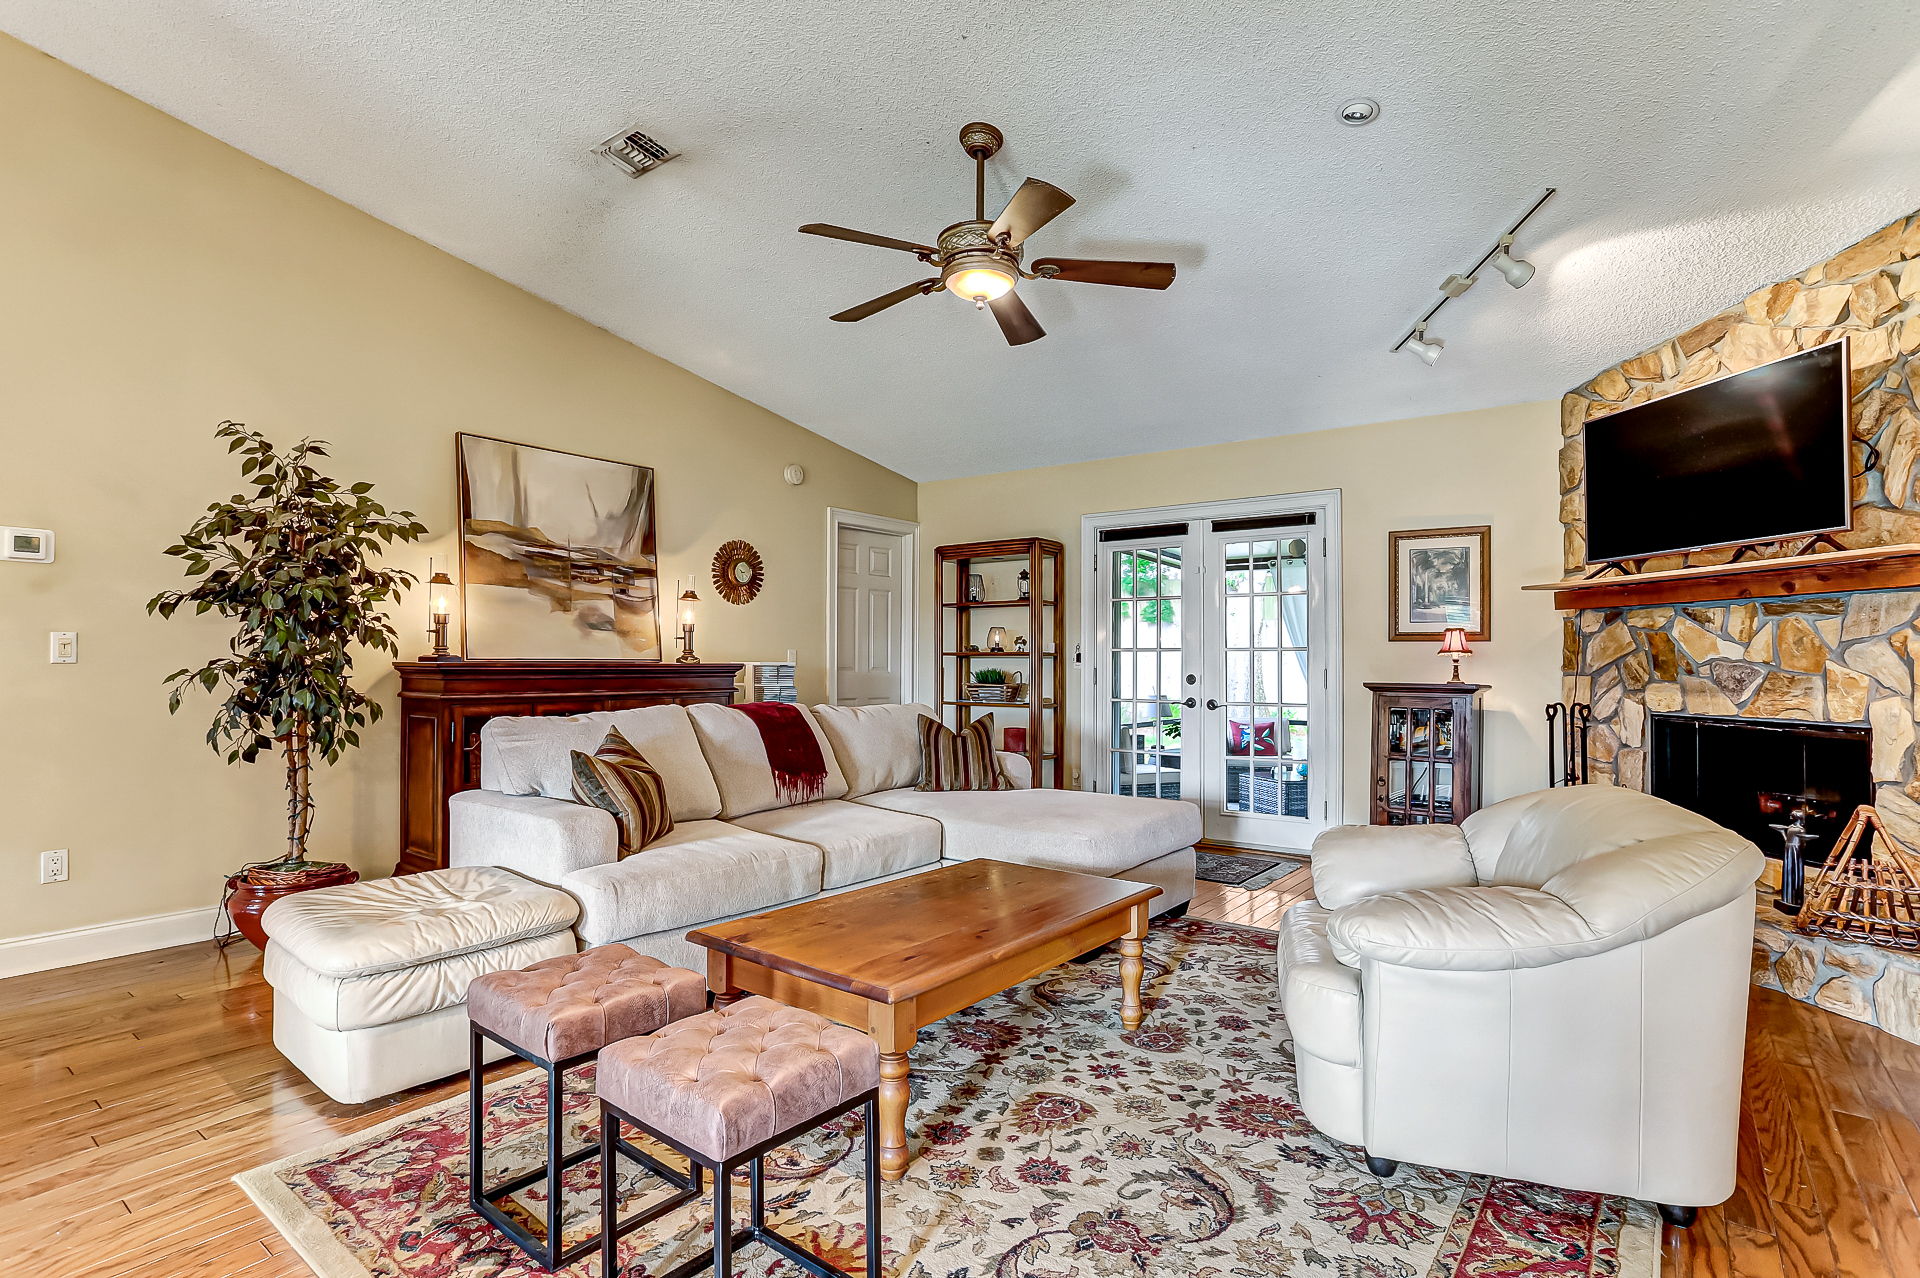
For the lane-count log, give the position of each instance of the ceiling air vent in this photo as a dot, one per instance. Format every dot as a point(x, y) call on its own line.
point(634, 153)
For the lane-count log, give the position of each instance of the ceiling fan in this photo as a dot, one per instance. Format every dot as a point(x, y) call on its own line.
point(979, 259)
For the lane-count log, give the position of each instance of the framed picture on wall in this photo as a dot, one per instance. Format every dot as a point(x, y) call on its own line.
point(557, 554)
point(1440, 577)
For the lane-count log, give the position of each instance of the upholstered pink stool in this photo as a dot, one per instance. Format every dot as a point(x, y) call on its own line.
point(559, 1013)
point(724, 1088)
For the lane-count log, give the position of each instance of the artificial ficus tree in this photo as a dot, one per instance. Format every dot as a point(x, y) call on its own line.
point(293, 565)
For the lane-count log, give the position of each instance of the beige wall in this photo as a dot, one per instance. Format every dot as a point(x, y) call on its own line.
point(157, 281)
point(1490, 467)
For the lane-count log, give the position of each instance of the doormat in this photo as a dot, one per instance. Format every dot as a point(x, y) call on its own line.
point(1235, 869)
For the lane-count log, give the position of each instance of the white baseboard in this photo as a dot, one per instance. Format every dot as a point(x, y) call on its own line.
point(46, 950)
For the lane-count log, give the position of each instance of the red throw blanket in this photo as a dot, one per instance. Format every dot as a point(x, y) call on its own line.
point(799, 768)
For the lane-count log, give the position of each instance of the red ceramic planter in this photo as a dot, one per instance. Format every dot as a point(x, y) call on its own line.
point(247, 901)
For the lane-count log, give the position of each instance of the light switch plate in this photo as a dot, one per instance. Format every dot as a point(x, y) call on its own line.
point(31, 545)
point(63, 647)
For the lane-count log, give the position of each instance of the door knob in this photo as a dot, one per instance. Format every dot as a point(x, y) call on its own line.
point(1212, 704)
point(1189, 703)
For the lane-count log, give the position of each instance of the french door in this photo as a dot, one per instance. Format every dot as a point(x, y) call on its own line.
point(1213, 671)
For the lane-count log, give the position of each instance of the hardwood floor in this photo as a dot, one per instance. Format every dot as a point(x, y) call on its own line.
point(141, 1084)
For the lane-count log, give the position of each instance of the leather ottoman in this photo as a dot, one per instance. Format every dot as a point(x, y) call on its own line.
point(370, 979)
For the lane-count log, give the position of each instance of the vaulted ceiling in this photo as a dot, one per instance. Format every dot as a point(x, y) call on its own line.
point(1700, 151)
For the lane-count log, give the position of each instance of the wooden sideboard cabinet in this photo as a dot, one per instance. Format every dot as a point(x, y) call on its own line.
point(444, 704)
point(1426, 752)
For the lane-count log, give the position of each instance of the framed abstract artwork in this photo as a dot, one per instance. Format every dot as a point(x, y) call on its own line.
point(1439, 578)
point(557, 554)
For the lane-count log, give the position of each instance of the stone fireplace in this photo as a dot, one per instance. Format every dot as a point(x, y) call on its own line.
point(1842, 660)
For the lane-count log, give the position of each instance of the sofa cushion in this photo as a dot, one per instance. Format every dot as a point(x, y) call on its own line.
point(382, 925)
point(619, 779)
point(1354, 862)
point(737, 756)
point(1319, 993)
point(1558, 829)
point(533, 754)
point(878, 747)
point(959, 760)
point(383, 997)
point(858, 842)
point(1060, 829)
point(700, 872)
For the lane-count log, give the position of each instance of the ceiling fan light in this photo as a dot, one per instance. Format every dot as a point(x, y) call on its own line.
point(1516, 270)
point(1427, 349)
point(979, 281)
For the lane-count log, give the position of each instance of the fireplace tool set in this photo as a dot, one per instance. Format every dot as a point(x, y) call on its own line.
point(1567, 729)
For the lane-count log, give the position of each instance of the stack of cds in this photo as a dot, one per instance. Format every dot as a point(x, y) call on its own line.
point(767, 681)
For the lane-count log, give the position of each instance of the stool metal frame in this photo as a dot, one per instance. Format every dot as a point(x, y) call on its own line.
point(725, 1239)
point(486, 1200)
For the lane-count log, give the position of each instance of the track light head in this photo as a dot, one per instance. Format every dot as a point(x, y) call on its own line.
point(1427, 350)
point(1516, 270)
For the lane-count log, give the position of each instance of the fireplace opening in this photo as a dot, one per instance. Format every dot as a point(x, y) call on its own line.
point(1749, 775)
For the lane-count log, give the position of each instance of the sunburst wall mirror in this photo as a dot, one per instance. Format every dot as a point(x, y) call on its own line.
point(738, 572)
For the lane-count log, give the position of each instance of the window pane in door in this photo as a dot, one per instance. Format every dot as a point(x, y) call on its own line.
point(1239, 623)
point(1123, 633)
point(1167, 622)
point(1239, 683)
point(1148, 680)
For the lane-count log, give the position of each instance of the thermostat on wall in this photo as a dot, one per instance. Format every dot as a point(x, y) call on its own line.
point(34, 545)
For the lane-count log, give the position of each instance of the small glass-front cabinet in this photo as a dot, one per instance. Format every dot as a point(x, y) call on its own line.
point(1426, 752)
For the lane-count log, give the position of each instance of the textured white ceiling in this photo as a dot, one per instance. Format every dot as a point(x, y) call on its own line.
point(1700, 151)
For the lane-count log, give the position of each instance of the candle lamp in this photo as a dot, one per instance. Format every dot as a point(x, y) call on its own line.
point(1453, 643)
point(689, 602)
point(439, 615)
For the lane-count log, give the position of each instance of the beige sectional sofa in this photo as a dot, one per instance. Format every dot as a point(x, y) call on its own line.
point(738, 848)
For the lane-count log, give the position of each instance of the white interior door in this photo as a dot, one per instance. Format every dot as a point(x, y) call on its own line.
point(1213, 669)
point(870, 602)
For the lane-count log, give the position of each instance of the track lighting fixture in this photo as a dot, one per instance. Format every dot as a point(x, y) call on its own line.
point(1517, 271)
point(1428, 349)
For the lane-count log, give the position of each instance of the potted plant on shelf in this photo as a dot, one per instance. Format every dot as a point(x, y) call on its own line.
point(988, 685)
point(292, 565)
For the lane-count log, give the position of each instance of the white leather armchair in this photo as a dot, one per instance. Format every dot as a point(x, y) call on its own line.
point(1554, 991)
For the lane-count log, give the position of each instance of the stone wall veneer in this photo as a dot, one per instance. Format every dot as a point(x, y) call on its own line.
point(1829, 659)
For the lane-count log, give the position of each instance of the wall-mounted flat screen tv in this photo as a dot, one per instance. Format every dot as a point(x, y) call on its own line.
point(1759, 456)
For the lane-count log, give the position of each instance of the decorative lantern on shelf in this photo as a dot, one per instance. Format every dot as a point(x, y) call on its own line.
point(1453, 643)
point(439, 615)
point(1026, 584)
point(689, 602)
point(996, 639)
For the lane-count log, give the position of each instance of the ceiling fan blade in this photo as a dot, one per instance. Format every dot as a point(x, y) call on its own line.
point(862, 237)
point(1016, 321)
point(885, 300)
point(1126, 274)
point(1034, 205)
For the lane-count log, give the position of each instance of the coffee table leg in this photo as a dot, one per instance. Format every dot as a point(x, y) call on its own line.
point(720, 980)
point(1132, 966)
point(893, 1030)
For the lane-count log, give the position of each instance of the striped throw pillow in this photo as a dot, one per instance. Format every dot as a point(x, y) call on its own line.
point(618, 777)
point(962, 760)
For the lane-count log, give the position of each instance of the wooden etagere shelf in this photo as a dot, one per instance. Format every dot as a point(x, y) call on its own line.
point(958, 622)
point(1836, 572)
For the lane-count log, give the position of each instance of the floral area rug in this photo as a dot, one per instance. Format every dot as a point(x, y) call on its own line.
point(1047, 1142)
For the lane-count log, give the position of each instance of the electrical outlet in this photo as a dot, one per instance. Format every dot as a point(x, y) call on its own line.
point(53, 866)
point(792, 655)
point(63, 647)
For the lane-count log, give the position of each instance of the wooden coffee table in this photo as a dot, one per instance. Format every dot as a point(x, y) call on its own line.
point(896, 957)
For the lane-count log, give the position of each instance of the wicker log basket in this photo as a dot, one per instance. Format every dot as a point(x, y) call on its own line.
point(1869, 894)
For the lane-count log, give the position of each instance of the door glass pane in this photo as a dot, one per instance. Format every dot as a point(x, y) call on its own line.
point(1443, 734)
point(1396, 731)
point(1266, 676)
point(1166, 621)
point(1143, 727)
point(1264, 566)
point(1443, 791)
point(1239, 622)
point(1148, 682)
point(1239, 686)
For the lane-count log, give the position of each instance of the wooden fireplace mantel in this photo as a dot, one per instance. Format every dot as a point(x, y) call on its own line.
point(1836, 572)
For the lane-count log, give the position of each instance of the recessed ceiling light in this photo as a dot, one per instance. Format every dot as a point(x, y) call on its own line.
point(1359, 111)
